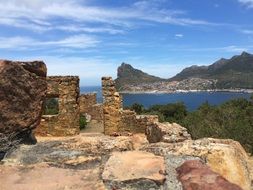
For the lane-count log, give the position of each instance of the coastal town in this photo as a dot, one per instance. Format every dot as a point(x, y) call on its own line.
point(184, 86)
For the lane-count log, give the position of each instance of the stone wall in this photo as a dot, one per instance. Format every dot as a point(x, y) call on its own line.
point(112, 105)
point(115, 118)
point(130, 122)
point(66, 122)
point(92, 111)
point(143, 121)
point(86, 101)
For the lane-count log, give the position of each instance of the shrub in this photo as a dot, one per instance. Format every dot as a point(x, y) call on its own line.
point(82, 122)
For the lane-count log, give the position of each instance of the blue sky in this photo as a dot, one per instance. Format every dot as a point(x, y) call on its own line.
point(91, 38)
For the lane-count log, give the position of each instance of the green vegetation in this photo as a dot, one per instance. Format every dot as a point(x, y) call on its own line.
point(51, 106)
point(231, 120)
point(236, 72)
point(82, 122)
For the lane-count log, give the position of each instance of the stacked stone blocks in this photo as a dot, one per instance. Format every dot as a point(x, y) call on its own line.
point(112, 105)
point(66, 122)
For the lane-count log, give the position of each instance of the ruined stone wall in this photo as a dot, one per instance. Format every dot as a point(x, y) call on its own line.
point(86, 101)
point(143, 121)
point(115, 118)
point(92, 111)
point(130, 122)
point(66, 122)
point(112, 104)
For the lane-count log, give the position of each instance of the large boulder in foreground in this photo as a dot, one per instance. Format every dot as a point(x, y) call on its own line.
point(194, 174)
point(225, 157)
point(22, 91)
point(134, 170)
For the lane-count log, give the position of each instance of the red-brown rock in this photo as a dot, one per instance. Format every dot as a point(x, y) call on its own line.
point(22, 92)
point(194, 175)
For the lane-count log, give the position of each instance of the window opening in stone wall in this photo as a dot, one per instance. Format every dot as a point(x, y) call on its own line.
point(51, 106)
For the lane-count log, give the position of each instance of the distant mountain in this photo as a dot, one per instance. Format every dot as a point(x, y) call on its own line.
point(127, 75)
point(236, 72)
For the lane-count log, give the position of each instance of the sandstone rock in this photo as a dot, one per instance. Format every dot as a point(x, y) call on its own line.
point(134, 170)
point(66, 151)
point(99, 144)
point(22, 92)
point(64, 162)
point(85, 160)
point(43, 176)
point(195, 175)
point(166, 132)
point(226, 157)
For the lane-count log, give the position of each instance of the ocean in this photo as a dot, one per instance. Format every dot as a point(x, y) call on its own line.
point(192, 100)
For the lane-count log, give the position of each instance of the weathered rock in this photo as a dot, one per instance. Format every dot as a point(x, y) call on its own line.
point(79, 162)
point(226, 157)
point(22, 92)
point(43, 176)
point(172, 162)
point(62, 151)
point(69, 159)
point(166, 132)
point(193, 174)
point(134, 170)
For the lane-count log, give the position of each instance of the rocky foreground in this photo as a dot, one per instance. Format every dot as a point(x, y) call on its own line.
point(164, 158)
point(95, 161)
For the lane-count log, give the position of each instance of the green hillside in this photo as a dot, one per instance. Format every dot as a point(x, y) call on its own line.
point(236, 72)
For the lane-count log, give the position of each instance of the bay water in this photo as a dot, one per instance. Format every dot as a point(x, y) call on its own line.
point(192, 100)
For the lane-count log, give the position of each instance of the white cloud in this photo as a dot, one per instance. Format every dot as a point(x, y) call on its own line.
point(40, 15)
point(179, 36)
point(247, 31)
point(80, 28)
point(248, 3)
point(76, 41)
point(235, 49)
point(16, 42)
point(229, 48)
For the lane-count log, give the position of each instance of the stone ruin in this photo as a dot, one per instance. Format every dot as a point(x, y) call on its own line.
point(93, 112)
point(109, 118)
point(118, 120)
point(66, 122)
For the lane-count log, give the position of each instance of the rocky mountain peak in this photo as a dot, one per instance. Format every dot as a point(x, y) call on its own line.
point(128, 75)
point(246, 54)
